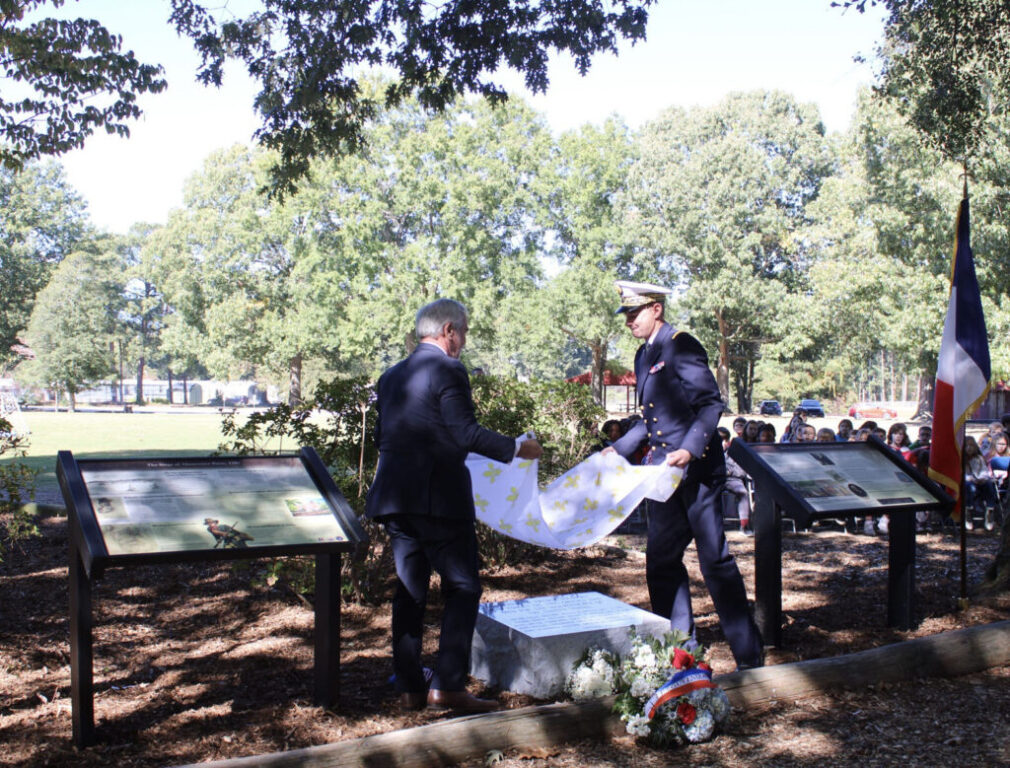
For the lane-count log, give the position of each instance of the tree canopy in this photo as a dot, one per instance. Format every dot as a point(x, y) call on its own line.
point(42, 219)
point(66, 78)
point(946, 65)
point(307, 57)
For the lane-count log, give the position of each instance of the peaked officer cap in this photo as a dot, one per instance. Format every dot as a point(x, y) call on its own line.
point(635, 295)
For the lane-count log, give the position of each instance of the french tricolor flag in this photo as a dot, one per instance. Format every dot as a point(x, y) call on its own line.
point(962, 373)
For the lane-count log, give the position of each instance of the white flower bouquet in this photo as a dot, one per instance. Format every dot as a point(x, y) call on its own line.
point(665, 692)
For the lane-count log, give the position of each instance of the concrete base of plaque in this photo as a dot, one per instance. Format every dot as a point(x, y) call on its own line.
point(529, 646)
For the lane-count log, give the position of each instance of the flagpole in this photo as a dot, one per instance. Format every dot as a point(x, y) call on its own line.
point(963, 375)
point(963, 601)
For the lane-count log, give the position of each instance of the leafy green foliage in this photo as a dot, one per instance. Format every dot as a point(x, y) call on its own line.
point(17, 488)
point(720, 197)
point(306, 55)
point(339, 423)
point(946, 66)
point(72, 324)
point(68, 78)
point(564, 418)
point(42, 221)
point(569, 321)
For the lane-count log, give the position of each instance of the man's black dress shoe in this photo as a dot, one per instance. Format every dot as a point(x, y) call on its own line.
point(460, 701)
point(415, 700)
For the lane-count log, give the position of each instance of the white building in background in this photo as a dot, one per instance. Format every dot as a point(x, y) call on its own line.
point(188, 391)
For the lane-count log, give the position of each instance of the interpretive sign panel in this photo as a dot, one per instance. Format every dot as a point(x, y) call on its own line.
point(845, 476)
point(139, 511)
point(177, 509)
point(808, 481)
point(182, 504)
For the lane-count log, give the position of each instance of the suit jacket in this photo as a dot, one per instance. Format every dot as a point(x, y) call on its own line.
point(426, 428)
point(680, 402)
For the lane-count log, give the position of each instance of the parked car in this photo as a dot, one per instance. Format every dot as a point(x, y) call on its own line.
point(872, 411)
point(770, 408)
point(812, 407)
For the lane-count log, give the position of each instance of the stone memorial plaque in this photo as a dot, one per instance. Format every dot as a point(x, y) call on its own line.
point(530, 646)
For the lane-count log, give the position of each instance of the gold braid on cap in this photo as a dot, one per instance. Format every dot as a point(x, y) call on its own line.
point(640, 299)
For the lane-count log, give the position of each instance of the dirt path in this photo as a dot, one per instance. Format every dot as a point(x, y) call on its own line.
point(192, 663)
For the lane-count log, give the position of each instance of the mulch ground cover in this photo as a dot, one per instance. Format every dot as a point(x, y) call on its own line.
point(195, 662)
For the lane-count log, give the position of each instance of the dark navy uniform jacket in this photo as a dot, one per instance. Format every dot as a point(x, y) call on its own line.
point(426, 428)
point(680, 402)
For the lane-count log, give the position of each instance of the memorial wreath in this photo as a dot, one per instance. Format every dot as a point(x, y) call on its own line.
point(664, 689)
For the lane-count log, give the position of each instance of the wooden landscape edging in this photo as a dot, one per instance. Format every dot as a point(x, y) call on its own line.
point(448, 742)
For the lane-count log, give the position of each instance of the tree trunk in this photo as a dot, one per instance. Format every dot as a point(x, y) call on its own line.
point(749, 401)
point(997, 575)
point(185, 389)
point(363, 407)
point(139, 399)
point(295, 380)
point(72, 396)
point(722, 369)
point(883, 377)
point(171, 400)
point(596, 378)
point(924, 409)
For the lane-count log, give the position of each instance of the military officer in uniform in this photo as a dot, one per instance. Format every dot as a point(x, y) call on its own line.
point(681, 406)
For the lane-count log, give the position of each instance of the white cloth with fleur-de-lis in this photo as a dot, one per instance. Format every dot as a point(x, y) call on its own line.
point(578, 509)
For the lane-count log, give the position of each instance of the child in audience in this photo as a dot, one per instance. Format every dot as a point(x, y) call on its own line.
point(978, 485)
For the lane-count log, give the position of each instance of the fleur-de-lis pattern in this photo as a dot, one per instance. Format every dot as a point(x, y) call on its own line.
point(575, 510)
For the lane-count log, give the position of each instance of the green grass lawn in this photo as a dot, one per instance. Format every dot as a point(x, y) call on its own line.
point(117, 435)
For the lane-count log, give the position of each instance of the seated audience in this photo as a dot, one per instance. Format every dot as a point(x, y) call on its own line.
point(767, 433)
point(790, 432)
point(897, 439)
point(805, 433)
point(979, 485)
point(750, 431)
point(736, 484)
point(609, 433)
point(844, 432)
point(924, 437)
point(826, 435)
point(985, 444)
point(738, 424)
point(999, 460)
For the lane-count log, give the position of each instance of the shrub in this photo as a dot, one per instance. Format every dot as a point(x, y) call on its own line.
point(339, 423)
point(562, 415)
point(17, 488)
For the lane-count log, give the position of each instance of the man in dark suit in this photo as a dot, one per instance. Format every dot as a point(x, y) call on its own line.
point(423, 496)
point(681, 406)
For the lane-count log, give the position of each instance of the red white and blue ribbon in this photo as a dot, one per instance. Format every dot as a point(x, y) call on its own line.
point(680, 684)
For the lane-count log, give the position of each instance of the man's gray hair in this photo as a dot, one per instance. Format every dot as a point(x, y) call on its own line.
point(431, 318)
